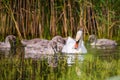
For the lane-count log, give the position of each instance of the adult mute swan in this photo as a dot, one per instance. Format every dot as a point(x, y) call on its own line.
point(75, 46)
point(101, 43)
point(7, 44)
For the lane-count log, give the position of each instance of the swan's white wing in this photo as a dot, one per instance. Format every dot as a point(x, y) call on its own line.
point(68, 46)
point(83, 48)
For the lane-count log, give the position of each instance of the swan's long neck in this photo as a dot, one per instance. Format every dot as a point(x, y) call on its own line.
point(78, 38)
point(95, 40)
point(7, 40)
point(7, 43)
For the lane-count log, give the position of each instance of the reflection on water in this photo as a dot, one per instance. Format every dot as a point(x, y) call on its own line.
point(70, 58)
point(7, 53)
point(37, 67)
point(106, 54)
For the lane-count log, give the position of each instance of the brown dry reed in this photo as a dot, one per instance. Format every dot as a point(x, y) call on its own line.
point(47, 18)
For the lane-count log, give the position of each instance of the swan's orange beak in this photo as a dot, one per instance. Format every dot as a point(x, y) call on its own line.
point(76, 45)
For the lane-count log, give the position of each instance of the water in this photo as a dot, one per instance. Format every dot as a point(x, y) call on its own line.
point(13, 65)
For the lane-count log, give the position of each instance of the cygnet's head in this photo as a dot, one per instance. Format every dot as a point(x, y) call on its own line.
point(57, 43)
point(59, 39)
point(11, 39)
point(92, 38)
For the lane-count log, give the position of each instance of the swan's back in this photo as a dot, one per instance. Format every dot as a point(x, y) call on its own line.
point(32, 41)
point(106, 42)
point(102, 43)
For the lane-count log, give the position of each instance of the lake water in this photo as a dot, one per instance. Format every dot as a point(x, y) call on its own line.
point(14, 65)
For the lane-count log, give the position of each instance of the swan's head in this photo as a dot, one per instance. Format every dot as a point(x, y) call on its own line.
point(92, 38)
point(57, 43)
point(78, 38)
point(59, 39)
point(11, 39)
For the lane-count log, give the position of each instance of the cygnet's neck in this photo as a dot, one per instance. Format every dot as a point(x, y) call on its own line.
point(7, 40)
point(95, 39)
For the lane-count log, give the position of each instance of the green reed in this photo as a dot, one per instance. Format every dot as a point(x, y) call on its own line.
point(38, 18)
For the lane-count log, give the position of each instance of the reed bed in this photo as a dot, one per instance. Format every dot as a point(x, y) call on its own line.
point(39, 18)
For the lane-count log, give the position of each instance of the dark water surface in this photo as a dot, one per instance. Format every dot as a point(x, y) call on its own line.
point(14, 65)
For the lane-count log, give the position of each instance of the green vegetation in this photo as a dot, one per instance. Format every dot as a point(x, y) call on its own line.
point(47, 18)
point(39, 18)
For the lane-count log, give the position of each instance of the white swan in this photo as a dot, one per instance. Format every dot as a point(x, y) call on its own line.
point(75, 46)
